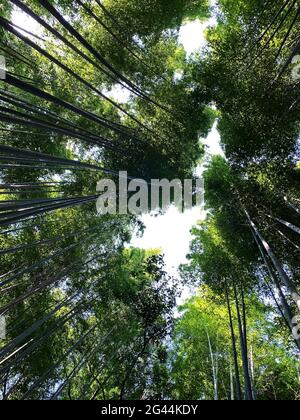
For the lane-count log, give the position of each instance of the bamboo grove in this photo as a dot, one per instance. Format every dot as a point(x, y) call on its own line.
point(89, 317)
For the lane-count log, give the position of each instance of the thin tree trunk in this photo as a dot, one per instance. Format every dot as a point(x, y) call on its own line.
point(252, 373)
point(287, 313)
point(214, 364)
point(58, 35)
point(231, 384)
point(283, 19)
point(248, 388)
point(274, 20)
point(11, 80)
point(288, 224)
point(234, 349)
point(288, 33)
point(291, 205)
point(282, 274)
point(288, 239)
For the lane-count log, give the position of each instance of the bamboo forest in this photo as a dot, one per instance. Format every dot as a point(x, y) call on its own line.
point(90, 89)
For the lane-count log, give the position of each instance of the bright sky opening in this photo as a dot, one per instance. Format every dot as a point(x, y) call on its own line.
point(191, 34)
point(24, 21)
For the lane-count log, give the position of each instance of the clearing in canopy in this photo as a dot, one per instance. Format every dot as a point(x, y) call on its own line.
point(89, 89)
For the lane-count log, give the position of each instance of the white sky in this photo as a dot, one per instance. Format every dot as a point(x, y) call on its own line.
point(122, 95)
point(26, 22)
point(191, 34)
